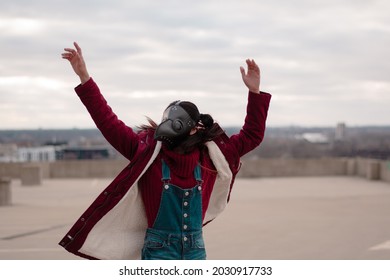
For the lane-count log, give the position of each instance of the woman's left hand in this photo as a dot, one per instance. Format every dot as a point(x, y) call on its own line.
point(252, 77)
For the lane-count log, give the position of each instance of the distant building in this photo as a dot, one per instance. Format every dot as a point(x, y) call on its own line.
point(340, 132)
point(316, 138)
point(79, 153)
point(8, 152)
point(50, 153)
point(36, 154)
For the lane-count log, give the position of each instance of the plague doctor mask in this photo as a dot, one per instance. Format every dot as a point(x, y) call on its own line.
point(177, 123)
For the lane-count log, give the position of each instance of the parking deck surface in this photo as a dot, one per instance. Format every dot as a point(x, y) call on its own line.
point(295, 218)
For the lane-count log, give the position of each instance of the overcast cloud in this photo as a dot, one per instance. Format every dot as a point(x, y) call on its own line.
point(324, 62)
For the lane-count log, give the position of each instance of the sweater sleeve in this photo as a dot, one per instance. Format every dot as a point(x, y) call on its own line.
point(119, 135)
point(252, 132)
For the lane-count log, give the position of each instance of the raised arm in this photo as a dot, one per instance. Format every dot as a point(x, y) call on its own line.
point(119, 135)
point(252, 132)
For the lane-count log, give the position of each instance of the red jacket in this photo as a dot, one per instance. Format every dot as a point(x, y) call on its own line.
point(113, 226)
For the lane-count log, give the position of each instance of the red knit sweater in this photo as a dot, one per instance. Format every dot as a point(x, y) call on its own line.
point(182, 175)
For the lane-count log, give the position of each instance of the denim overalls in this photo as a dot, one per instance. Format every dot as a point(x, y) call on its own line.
point(177, 231)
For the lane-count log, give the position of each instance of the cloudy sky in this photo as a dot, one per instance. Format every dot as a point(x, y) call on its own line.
point(324, 62)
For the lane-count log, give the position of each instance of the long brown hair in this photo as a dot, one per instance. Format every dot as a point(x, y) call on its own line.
point(152, 125)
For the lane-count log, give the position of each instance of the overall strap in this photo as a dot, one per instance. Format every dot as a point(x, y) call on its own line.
point(166, 173)
point(198, 174)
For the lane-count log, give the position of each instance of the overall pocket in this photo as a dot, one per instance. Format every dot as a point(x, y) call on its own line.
point(154, 241)
point(198, 242)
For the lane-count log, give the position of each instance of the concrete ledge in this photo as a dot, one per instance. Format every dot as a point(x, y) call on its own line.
point(351, 167)
point(293, 167)
point(373, 170)
point(251, 168)
point(385, 171)
point(5, 192)
point(31, 175)
point(87, 168)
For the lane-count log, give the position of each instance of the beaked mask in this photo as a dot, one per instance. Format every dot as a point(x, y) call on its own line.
point(175, 126)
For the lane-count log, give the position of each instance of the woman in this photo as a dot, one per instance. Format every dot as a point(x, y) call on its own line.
point(179, 177)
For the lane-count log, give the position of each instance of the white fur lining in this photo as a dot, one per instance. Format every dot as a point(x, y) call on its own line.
point(120, 233)
point(220, 193)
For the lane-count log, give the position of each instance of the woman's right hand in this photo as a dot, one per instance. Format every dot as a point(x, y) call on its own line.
point(75, 57)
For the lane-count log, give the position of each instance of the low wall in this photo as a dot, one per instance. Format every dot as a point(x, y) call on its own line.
point(86, 168)
point(368, 168)
point(385, 171)
point(13, 170)
point(293, 167)
point(372, 169)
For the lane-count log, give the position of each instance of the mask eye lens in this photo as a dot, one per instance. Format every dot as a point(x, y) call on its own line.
point(177, 125)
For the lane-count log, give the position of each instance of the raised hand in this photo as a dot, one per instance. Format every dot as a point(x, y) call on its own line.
point(252, 77)
point(75, 57)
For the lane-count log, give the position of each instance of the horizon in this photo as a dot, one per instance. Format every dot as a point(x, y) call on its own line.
point(226, 127)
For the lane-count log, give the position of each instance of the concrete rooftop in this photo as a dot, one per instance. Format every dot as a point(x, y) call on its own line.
point(294, 218)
